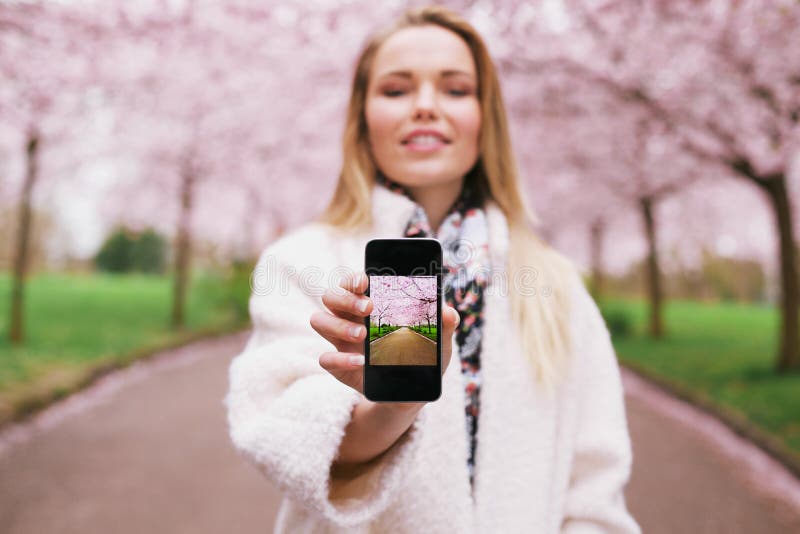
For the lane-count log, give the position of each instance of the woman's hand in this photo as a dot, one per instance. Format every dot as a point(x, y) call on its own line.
point(343, 326)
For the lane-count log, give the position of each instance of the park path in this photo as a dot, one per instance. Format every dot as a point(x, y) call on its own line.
point(402, 347)
point(146, 450)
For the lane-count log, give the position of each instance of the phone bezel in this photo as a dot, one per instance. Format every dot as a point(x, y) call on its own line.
point(407, 256)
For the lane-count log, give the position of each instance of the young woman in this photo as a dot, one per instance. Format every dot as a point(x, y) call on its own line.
point(530, 433)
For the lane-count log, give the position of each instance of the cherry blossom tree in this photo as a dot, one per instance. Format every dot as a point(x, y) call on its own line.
point(403, 300)
point(722, 56)
point(43, 105)
point(220, 121)
point(686, 65)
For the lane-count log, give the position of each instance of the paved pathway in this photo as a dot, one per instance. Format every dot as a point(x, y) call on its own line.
point(402, 347)
point(146, 450)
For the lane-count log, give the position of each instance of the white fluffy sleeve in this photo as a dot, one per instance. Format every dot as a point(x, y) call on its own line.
point(601, 464)
point(287, 415)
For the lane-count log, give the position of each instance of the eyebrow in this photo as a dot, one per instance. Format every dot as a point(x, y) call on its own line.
point(444, 73)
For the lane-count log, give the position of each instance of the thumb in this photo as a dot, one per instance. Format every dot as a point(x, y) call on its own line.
point(451, 319)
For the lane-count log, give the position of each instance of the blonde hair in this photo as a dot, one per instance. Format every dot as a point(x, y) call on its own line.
point(541, 321)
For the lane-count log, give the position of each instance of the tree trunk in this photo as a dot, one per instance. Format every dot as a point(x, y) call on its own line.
point(16, 332)
point(183, 247)
point(653, 274)
point(789, 351)
point(596, 232)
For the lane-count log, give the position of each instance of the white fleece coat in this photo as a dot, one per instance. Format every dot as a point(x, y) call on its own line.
point(543, 465)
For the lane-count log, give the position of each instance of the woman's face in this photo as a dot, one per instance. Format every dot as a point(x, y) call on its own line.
point(423, 78)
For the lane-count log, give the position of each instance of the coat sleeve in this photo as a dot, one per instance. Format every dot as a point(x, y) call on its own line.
point(287, 415)
point(602, 456)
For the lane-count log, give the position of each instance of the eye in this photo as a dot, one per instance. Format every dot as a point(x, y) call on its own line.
point(457, 92)
point(393, 92)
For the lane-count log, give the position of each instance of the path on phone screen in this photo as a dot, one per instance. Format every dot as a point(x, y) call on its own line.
point(402, 347)
point(147, 450)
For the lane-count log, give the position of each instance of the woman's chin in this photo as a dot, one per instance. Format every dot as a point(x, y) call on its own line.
point(427, 175)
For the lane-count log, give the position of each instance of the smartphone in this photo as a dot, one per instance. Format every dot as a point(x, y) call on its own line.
point(403, 346)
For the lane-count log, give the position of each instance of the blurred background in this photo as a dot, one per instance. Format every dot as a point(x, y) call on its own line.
point(150, 150)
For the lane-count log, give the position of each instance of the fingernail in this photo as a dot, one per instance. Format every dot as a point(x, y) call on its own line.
point(357, 360)
point(362, 306)
point(355, 331)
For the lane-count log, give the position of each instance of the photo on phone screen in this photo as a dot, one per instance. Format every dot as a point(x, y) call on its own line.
point(403, 323)
point(403, 354)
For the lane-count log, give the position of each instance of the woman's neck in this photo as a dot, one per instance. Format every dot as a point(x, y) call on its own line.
point(436, 200)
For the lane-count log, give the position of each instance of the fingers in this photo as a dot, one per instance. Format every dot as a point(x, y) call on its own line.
point(346, 304)
point(337, 330)
point(355, 283)
point(346, 367)
point(344, 361)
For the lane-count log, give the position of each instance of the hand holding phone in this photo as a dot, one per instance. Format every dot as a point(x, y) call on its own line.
point(343, 324)
point(403, 351)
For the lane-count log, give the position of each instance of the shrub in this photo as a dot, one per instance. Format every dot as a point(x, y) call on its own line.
point(116, 254)
point(618, 321)
point(149, 252)
point(124, 251)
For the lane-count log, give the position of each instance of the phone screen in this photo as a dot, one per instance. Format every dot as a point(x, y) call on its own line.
point(403, 349)
point(403, 327)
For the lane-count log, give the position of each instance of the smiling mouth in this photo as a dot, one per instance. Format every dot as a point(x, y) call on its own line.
point(426, 140)
point(422, 148)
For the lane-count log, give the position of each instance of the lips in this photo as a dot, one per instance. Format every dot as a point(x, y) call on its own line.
point(424, 132)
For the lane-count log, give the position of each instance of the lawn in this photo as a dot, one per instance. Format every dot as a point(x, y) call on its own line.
point(424, 331)
point(374, 333)
point(724, 353)
point(77, 322)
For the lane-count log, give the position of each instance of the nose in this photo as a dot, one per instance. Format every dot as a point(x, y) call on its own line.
point(426, 104)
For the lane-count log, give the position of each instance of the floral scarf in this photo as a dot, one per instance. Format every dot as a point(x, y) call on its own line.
point(465, 249)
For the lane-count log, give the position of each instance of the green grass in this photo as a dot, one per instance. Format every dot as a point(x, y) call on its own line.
point(74, 323)
point(424, 331)
point(723, 353)
point(374, 334)
point(373, 331)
